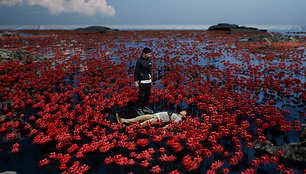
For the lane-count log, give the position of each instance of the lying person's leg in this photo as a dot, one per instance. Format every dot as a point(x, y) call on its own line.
point(138, 119)
point(152, 121)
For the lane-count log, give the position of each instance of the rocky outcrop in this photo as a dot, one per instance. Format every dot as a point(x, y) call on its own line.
point(233, 27)
point(6, 54)
point(96, 29)
point(273, 37)
point(8, 34)
point(22, 55)
point(294, 152)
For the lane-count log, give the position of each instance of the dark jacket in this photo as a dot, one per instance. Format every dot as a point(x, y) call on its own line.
point(143, 69)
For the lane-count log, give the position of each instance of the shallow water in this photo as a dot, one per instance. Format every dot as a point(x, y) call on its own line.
point(26, 161)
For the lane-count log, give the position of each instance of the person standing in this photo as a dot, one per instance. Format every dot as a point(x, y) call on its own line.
point(143, 81)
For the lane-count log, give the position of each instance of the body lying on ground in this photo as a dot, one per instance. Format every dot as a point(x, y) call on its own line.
point(165, 117)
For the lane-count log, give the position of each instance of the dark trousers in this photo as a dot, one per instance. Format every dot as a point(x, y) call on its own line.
point(143, 94)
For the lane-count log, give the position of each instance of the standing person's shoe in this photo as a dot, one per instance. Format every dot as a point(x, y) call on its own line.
point(147, 110)
point(140, 112)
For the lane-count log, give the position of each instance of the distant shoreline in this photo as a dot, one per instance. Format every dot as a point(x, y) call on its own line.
point(269, 28)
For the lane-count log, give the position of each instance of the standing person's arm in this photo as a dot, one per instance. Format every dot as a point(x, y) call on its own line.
point(137, 74)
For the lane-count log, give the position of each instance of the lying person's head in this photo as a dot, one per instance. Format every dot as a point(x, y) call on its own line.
point(183, 113)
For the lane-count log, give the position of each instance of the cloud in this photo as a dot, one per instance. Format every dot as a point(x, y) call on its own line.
point(86, 7)
point(10, 2)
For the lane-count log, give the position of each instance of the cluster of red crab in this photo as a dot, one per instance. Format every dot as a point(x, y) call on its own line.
point(65, 101)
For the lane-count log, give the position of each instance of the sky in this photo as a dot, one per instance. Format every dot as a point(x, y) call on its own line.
point(140, 12)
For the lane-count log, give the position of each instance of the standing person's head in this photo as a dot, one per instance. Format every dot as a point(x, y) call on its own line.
point(146, 53)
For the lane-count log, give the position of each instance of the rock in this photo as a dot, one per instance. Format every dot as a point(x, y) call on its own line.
point(20, 54)
point(294, 152)
point(273, 37)
point(6, 54)
point(233, 27)
point(265, 146)
point(97, 29)
point(8, 34)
